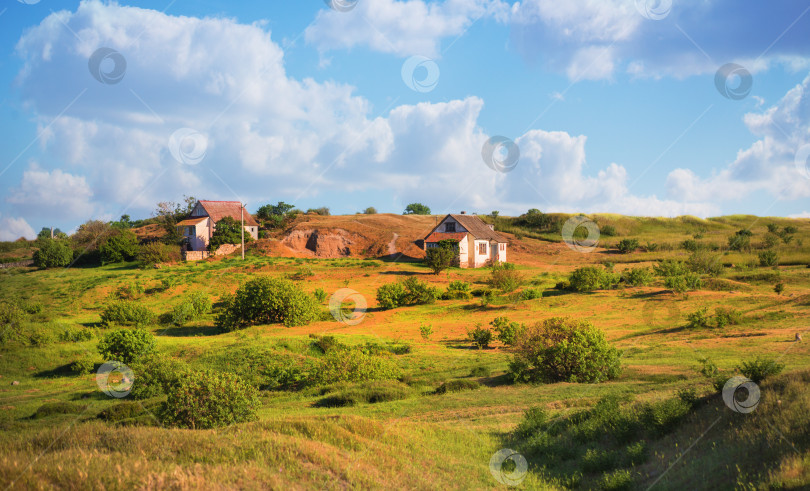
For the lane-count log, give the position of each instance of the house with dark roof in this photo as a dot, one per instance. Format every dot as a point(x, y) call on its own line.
point(478, 243)
point(202, 222)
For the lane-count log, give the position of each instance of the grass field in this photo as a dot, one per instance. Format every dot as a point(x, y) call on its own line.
point(51, 434)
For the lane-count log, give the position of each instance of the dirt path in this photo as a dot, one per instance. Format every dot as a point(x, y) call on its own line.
point(392, 246)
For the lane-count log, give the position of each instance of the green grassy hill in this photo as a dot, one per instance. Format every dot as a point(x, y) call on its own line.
point(661, 423)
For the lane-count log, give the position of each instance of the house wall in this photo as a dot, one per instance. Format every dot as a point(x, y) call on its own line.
point(479, 259)
point(198, 211)
point(443, 226)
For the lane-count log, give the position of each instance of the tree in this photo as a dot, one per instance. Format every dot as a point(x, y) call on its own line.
point(442, 257)
point(494, 214)
point(227, 231)
point(121, 246)
point(370, 211)
point(741, 240)
point(53, 253)
point(168, 213)
point(416, 209)
point(45, 233)
point(124, 222)
point(268, 211)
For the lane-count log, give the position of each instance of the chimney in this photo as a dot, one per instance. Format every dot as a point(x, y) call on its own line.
point(491, 227)
point(463, 212)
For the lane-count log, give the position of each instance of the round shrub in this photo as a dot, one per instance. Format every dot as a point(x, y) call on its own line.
point(353, 365)
point(208, 399)
point(267, 300)
point(459, 385)
point(589, 278)
point(127, 314)
point(122, 246)
point(53, 253)
point(193, 307)
point(564, 349)
point(154, 375)
point(126, 345)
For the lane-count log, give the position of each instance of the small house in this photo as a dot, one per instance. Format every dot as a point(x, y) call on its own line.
point(478, 242)
point(202, 222)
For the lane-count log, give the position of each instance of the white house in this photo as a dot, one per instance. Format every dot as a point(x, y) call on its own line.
point(478, 243)
point(200, 226)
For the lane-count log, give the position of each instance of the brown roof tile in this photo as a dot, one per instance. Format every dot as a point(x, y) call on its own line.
point(437, 236)
point(476, 227)
point(218, 210)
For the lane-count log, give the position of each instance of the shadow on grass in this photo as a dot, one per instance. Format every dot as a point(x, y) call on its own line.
point(60, 371)
point(398, 257)
point(650, 294)
point(189, 331)
point(496, 381)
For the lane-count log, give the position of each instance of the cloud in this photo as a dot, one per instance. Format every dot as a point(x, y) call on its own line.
point(13, 228)
point(267, 136)
point(771, 164)
point(690, 39)
point(804, 214)
point(412, 27)
point(53, 194)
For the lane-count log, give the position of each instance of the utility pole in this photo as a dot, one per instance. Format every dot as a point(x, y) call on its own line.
point(243, 230)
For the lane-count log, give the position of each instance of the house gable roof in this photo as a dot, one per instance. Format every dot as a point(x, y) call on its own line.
point(437, 236)
point(218, 210)
point(475, 226)
point(191, 221)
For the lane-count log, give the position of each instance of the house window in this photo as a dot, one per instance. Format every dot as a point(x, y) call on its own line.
point(450, 227)
point(189, 230)
point(503, 247)
point(482, 248)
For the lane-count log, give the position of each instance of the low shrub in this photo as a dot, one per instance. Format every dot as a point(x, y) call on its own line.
point(768, 258)
point(425, 331)
point(127, 412)
point(83, 365)
point(480, 371)
point(531, 294)
point(53, 253)
point(480, 336)
point(320, 295)
point(507, 332)
point(154, 253)
point(564, 349)
point(193, 307)
point(724, 317)
point(589, 278)
point(209, 399)
point(457, 290)
point(265, 300)
point(704, 262)
point(618, 480)
point(353, 365)
point(411, 291)
point(627, 246)
point(365, 393)
point(154, 375)
point(760, 368)
point(670, 267)
point(683, 283)
point(126, 345)
point(325, 344)
point(51, 408)
point(650, 247)
point(119, 246)
point(504, 277)
point(698, 319)
point(638, 276)
point(664, 416)
point(458, 385)
point(126, 313)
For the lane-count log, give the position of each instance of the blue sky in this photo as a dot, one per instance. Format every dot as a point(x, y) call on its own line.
point(615, 106)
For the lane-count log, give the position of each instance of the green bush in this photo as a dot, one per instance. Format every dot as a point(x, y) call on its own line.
point(670, 267)
point(411, 291)
point(531, 294)
point(208, 399)
point(267, 300)
point(740, 241)
point(564, 349)
point(534, 420)
point(724, 317)
point(504, 277)
point(457, 290)
point(589, 278)
point(608, 231)
point(760, 368)
point(353, 365)
point(650, 247)
point(127, 412)
point(154, 375)
point(683, 283)
point(228, 231)
point(425, 331)
point(480, 336)
point(698, 319)
point(704, 262)
point(193, 307)
point(442, 257)
point(480, 371)
point(83, 365)
point(325, 344)
point(638, 276)
point(320, 295)
point(627, 246)
point(768, 258)
point(365, 393)
point(457, 386)
point(126, 345)
point(51, 408)
point(664, 416)
point(507, 332)
point(153, 253)
point(618, 480)
point(53, 253)
point(125, 313)
point(119, 246)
